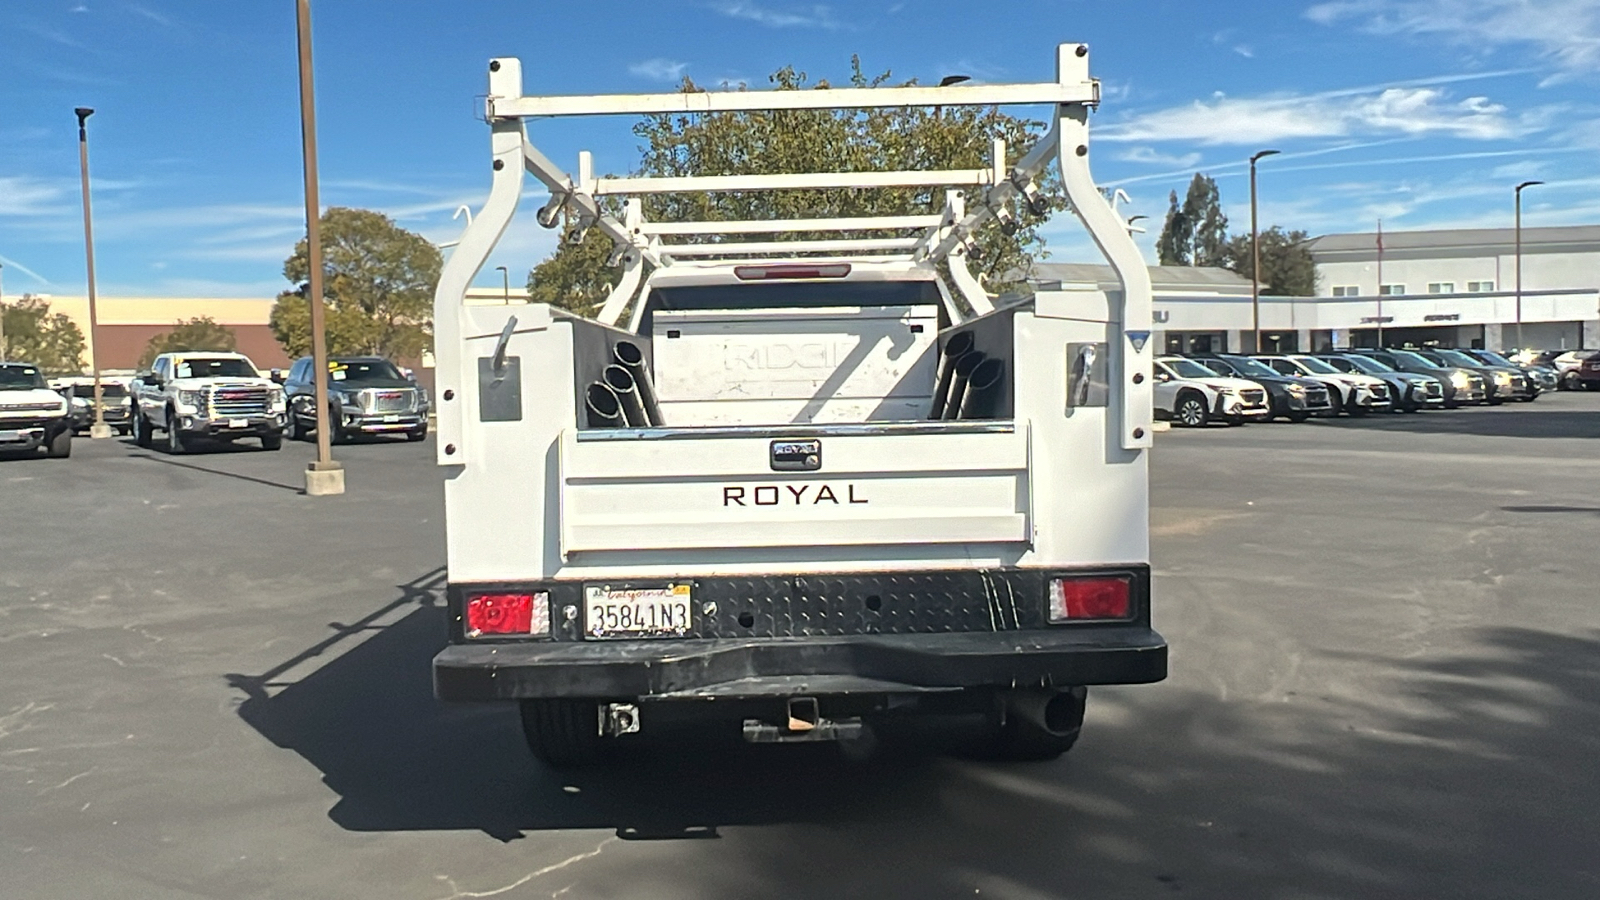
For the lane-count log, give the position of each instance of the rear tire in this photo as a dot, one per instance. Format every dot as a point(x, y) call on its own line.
point(562, 733)
point(60, 446)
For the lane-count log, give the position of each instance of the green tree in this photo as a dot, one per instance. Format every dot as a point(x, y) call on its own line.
point(1177, 235)
point(783, 141)
point(33, 334)
point(201, 333)
point(1202, 208)
point(378, 281)
point(1287, 269)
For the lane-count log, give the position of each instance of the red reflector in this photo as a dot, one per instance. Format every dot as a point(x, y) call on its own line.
point(508, 614)
point(763, 273)
point(1075, 599)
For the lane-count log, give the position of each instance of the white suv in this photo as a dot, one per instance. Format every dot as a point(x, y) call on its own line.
point(32, 415)
point(1192, 395)
point(1351, 392)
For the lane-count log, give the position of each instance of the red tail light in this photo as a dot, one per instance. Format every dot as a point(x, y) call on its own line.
point(489, 614)
point(1081, 599)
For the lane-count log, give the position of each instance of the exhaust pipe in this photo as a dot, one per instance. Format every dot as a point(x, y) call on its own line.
point(603, 407)
point(630, 357)
point(622, 384)
point(983, 391)
point(1056, 713)
point(964, 367)
point(959, 345)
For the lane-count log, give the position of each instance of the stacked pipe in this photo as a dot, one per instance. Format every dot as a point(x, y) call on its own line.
point(624, 397)
point(968, 386)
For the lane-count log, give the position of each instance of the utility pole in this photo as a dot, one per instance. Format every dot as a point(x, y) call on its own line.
point(99, 429)
point(1518, 193)
point(324, 476)
point(2, 312)
point(1255, 257)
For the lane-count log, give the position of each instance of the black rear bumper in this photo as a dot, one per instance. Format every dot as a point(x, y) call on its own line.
point(886, 633)
point(888, 664)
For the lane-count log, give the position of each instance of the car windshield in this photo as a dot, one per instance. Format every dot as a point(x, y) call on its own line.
point(1256, 367)
point(1416, 359)
point(1493, 358)
point(1316, 365)
point(21, 378)
point(1456, 357)
point(215, 367)
point(364, 370)
point(1188, 368)
point(106, 390)
point(1367, 365)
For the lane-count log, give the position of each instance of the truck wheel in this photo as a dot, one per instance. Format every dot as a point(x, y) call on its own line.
point(1014, 737)
point(562, 733)
point(175, 443)
point(295, 431)
point(60, 446)
point(141, 431)
point(1190, 410)
point(272, 441)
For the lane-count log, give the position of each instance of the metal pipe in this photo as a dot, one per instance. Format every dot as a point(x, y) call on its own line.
point(319, 335)
point(603, 407)
point(958, 381)
point(958, 345)
point(622, 383)
point(983, 390)
point(630, 357)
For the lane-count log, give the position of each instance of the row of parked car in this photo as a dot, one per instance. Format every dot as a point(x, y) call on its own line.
point(1197, 389)
point(194, 396)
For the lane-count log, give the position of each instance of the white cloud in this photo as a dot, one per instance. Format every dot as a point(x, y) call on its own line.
point(816, 16)
point(24, 196)
point(1565, 31)
point(1412, 111)
point(1151, 156)
point(659, 69)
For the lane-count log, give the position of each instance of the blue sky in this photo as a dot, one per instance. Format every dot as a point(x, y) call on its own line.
point(1423, 113)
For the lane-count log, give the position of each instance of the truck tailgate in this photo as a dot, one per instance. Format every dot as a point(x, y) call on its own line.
point(908, 484)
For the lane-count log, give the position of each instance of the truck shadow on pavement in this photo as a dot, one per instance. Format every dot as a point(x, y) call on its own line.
point(1511, 420)
point(402, 761)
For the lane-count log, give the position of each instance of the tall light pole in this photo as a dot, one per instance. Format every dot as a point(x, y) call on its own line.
point(1518, 194)
point(99, 429)
point(324, 476)
point(506, 278)
point(1255, 257)
point(2, 312)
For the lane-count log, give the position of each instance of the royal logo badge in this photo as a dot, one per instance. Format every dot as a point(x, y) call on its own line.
point(1138, 339)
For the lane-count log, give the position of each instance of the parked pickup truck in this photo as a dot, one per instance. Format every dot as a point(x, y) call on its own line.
point(204, 394)
point(32, 415)
point(366, 395)
point(798, 487)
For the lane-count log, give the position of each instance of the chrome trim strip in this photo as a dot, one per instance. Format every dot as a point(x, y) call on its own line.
point(797, 430)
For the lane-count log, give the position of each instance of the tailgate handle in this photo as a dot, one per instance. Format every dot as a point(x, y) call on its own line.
point(796, 456)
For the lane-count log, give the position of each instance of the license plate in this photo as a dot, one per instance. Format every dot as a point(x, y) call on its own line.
point(636, 612)
point(389, 419)
point(238, 423)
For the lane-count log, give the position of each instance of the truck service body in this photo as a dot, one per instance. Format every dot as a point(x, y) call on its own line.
point(799, 483)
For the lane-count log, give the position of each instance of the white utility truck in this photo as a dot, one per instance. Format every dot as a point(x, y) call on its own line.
point(798, 484)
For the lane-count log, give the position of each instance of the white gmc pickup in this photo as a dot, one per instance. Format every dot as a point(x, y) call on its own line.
point(32, 415)
point(206, 394)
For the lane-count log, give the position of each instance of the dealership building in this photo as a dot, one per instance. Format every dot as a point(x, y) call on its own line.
point(1452, 288)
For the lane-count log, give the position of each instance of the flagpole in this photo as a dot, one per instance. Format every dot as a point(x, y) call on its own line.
point(1380, 284)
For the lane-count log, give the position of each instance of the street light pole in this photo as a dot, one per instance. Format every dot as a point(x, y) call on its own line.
point(1255, 257)
point(506, 277)
point(1518, 194)
point(324, 476)
point(99, 429)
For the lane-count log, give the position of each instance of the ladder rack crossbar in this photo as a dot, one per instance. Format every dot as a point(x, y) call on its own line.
point(778, 226)
point(797, 181)
point(770, 247)
point(1085, 92)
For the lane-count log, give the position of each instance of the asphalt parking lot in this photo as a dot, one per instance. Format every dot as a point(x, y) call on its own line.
point(1385, 683)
